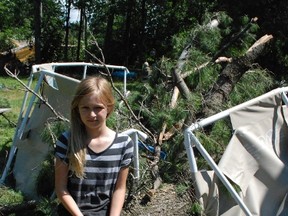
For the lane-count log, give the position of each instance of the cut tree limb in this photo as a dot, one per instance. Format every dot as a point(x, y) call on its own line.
point(180, 86)
point(217, 57)
point(231, 75)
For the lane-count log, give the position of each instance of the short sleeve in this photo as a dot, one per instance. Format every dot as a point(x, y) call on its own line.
point(61, 149)
point(128, 153)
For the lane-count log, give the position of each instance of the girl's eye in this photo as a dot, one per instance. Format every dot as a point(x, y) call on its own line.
point(84, 108)
point(98, 108)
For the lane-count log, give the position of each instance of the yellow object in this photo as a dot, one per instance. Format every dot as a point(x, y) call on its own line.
point(25, 53)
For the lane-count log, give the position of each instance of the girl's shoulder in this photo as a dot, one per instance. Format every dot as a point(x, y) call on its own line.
point(63, 138)
point(66, 134)
point(123, 140)
point(122, 137)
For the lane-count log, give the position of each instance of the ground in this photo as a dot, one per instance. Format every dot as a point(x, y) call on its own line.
point(164, 202)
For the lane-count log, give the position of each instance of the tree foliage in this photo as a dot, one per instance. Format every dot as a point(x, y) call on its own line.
point(133, 31)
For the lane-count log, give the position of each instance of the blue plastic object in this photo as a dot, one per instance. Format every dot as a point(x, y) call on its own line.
point(120, 74)
point(151, 149)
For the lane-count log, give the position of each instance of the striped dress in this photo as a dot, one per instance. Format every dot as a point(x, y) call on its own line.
point(93, 193)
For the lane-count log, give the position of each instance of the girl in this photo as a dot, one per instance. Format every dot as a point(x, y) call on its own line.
point(92, 160)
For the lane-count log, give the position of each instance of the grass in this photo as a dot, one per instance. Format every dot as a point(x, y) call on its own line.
point(13, 92)
point(11, 96)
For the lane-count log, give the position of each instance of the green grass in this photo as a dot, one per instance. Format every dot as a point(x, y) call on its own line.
point(11, 96)
point(12, 91)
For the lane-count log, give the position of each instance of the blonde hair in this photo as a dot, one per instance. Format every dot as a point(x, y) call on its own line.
point(77, 145)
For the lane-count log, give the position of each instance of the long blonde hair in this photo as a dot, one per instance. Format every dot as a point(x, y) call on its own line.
point(77, 145)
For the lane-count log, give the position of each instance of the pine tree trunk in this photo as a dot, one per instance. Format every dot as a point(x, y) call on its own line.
point(231, 75)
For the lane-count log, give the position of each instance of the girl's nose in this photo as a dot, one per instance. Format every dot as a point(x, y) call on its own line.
point(93, 113)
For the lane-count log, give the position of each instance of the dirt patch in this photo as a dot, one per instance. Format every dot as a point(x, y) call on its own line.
point(165, 202)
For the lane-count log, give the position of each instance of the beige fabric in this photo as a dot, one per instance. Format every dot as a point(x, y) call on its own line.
point(31, 149)
point(256, 157)
point(207, 191)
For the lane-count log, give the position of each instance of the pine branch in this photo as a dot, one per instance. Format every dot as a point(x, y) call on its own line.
point(216, 58)
point(235, 38)
point(231, 75)
point(7, 210)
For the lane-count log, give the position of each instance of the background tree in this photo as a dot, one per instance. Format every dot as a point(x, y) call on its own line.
point(15, 22)
point(52, 39)
point(68, 4)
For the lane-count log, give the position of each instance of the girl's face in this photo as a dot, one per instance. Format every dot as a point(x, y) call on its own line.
point(93, 112)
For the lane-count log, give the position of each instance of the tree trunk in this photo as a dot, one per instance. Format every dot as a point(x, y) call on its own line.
point(109, 29)
point(80, 33)
point(85, 35)
point(126, 42)
point(67, 30)
point(231, 75)
point(37, 17)
point(142, 38)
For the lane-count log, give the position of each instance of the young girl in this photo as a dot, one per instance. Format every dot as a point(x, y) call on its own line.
point(92, 160)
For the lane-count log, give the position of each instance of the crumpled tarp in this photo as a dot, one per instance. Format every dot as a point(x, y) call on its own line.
point(255, 160)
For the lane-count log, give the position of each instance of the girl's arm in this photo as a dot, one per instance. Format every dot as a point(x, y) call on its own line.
point(118, 197)
point(61, 178)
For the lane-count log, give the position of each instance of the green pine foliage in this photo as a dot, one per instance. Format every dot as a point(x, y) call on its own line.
point(254, 83)
point(46, 207)
point(53, 130)
point(205, 43)
point(9, 196)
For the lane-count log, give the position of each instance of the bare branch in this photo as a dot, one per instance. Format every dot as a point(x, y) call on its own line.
point(146, 130)
point(98, 47)
point(9, 121)
point(43, 100)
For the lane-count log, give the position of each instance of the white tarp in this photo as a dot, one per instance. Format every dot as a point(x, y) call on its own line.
point(255, 160)
point(256, 157)
point(31, 150)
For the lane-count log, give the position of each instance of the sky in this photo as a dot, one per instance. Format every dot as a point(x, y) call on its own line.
point(74, 15)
